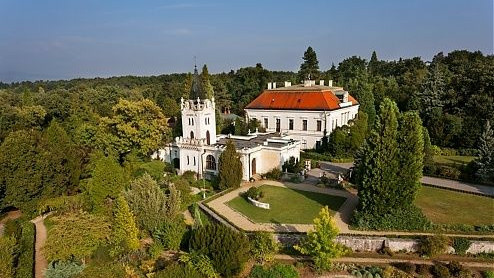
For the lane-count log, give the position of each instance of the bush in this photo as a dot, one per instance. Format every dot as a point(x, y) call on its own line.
point(170, 233)
point(409, 220)
point(63, 269)
point(274, 174)
point(292, 165)
point(155, 249)
point(407, 267)
point(178, 270)
point(440, 271)
point(275, 271)
point(25, 264)
point(422, 269)
point(434, 245)
point(254, 193)
point(7, 254)
point(63, 204)
point(12, 228)
point(227, 249)
point(461, 245)
point(263, 246)
point(488, 274)
point(448, 172)
point(103, 270)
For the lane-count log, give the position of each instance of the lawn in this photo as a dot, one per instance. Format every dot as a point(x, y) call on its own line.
point(449, 207)
point(288, 206)
point(453, 159)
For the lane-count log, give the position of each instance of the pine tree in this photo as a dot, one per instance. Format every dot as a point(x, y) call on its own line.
point(206, 84)
point(230, 172)
point(378, 163)
point(124, 232)
point(434, 87)
point(485, 160)
point(187, 86)
point(310, 66)
point(411, 159)
point(373, 64)
point(320, 244)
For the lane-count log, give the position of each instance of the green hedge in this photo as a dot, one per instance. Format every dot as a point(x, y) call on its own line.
point(25, 263)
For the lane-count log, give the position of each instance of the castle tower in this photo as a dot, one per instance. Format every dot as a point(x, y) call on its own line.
point(198, 113)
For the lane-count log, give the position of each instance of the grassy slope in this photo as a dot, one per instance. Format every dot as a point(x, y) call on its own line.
point(454, 159)
point(287, 205)
point(449, 207)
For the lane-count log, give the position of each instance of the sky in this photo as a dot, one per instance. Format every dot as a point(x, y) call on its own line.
point(51, 40)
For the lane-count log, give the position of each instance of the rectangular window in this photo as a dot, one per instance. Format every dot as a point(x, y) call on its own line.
point(188, 162)
point(290, 124)
point(304, 124)
point(319, 125)
point(318, 144)
point(194, 161)
point(266, 122)
point(278, 125)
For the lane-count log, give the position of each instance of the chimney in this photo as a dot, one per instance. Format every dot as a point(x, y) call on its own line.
point(270, 85)
point(274, 85)
point(306, 83)
point(345, 96)
point(321, 82)
point(312, 82)
point(288, 83)
point(330, 83)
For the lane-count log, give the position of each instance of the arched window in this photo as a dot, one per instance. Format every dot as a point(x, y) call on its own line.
point(208, 138)
point(210, 162)
point(192, 135)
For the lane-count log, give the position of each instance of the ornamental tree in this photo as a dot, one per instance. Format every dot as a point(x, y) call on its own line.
point(320, 243)
point(230, 172)
point(124, 232)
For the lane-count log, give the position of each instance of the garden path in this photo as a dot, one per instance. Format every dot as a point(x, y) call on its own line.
point(40, 263)
point(479, 189)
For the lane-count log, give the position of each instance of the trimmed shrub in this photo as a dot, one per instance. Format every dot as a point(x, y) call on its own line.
point(178, 270)
point(63, 269)
point(440, 271)
point(275, 271)
point(263, 246)
point(254, 193)
point(227, 249)
point(461, 245)
point(411, 219)
point(434, 245)
point(25, 264)
point(274, 174)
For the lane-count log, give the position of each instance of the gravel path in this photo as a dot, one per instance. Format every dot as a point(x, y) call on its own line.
point(335, 168)
point(40, 262)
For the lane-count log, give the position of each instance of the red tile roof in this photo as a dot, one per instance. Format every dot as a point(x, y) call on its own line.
point(297, 100)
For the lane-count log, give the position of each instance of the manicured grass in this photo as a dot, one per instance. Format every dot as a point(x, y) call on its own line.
point(449, 207)
point(288, 206)
point(454, 159)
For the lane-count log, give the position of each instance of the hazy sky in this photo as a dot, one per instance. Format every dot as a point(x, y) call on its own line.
point(47, 39)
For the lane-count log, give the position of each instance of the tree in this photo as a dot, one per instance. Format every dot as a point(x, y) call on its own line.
point(7, 255)
point(170, 108)
point(485, 160)
point(309, 69)
point(227, 249)
point(147, 201)
point(428, 152)
point(230, 172)
point(206, 84)
point(124, 233)
point(75, 236)
point(138, 125)
point(320, 243)
point(263, 246)
point(411, 159)
point(373, 66)
point(361, 89)
point(378, 163)
point(107, 180)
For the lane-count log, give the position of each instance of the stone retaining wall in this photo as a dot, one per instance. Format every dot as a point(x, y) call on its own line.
point(374, 244)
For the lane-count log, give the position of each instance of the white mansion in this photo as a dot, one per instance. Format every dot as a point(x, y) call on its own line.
point(295, 117)
point(303, 112)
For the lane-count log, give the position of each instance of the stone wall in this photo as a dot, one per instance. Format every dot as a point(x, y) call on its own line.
point(374, 244)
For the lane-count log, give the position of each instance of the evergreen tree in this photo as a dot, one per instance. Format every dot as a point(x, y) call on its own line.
point(107, 180)
point(485, 160)
point(230, 172)
point(320, 243)
point(430, 96)
point(361, 89)
point(206, 84)
point(373, 66)
point(378, 163)
point(310, 66)
point(187, 85)
point(411, 159)
point(428, 152)
point(124, 233)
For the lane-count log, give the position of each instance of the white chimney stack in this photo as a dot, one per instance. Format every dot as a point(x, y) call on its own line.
point(270, 85)
point(345, 96)
point(274, 85)
point(288, 83)
point(321, 82)
point(330, 83)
